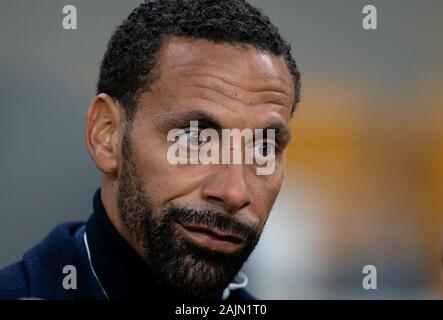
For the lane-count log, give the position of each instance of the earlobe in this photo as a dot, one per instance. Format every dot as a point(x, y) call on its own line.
point(103, 133)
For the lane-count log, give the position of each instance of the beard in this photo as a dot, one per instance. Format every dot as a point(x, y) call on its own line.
point(177, 263)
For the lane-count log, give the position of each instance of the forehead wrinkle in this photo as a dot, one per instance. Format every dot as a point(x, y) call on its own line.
point(182, 55)
point(234, 79)
point(230, 108)
point(238, 93)
point(263, 98)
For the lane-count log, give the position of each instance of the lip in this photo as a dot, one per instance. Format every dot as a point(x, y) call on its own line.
point(211, 238)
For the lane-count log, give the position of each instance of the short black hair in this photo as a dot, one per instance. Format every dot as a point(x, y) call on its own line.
point(127, 67)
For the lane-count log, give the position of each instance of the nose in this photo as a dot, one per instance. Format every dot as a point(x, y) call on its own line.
point(228, 188)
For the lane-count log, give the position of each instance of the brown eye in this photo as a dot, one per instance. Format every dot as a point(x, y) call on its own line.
point(264, 149)
point(192, 139)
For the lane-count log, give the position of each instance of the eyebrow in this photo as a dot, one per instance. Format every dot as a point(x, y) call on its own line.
point(182, 120)
point(282, 132)
point(206, 120)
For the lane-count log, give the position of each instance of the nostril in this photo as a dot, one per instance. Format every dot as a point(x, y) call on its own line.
point(230, 207)
point(215, 199)
point(231, 197)
point(246, 204)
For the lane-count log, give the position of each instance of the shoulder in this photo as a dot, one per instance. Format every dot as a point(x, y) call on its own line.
point(241, 294)
point(14, 282)
point(40, 272)
point(60, 241)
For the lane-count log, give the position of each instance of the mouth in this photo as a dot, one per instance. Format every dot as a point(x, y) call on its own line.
point(212, 238)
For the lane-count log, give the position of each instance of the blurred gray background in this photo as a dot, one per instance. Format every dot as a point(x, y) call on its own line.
point(381, 78)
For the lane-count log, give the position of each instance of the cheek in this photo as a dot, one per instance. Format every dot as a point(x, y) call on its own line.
point(162, 181)
point(266, 191)
point(271, 184)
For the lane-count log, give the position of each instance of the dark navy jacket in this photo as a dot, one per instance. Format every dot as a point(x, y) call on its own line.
point(120, 272)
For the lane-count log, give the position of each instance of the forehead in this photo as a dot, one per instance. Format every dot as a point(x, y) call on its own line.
point(181, 52)
point(238, 78)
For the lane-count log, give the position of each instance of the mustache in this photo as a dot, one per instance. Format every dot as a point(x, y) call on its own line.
point(213, 219)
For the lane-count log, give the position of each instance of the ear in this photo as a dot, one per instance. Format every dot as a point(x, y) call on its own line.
point(104, 125)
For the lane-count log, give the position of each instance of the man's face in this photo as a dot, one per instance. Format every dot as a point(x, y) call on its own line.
point(196, 224)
